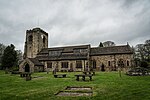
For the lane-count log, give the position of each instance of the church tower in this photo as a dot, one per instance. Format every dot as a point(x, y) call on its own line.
point(36, 40)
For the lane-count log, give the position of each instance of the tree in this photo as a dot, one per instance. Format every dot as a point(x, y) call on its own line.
point(9, 58)
point(2, 48)
point(108, 44)
point(101, 44)
point(147, 50)
point(19, 55)
point(139, 51)
point(142, 53)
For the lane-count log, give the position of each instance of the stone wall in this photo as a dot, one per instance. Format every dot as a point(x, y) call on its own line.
point(70, 63)
point(38, 68)
point(110, 62)
point(22, 65)
point(32, 67)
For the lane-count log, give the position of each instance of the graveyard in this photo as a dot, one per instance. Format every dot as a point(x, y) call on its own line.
point(104, 85)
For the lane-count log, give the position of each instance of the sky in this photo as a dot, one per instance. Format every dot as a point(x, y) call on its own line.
point(76, 22)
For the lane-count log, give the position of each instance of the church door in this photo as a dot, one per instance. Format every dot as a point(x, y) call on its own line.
point(102, 67)
point(27, 68)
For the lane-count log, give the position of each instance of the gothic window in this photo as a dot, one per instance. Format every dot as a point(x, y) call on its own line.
point(79, 64)
point(94, 64)
point(44, 39)
point(64, 64)
point(109, 63)
point(49, 64)
point(120, 63)
point(127, 63)
point(30, 38)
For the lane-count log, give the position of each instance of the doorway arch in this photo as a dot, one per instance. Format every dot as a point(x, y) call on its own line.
point(102, 67)
point(27, 68)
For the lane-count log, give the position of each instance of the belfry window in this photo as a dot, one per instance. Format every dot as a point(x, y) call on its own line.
point(44, 39)
point(30, 38)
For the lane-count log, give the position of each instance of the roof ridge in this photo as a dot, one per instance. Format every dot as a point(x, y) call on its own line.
point(110, 46)
point(68, 46)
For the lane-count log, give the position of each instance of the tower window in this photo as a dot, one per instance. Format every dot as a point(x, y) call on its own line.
point(30, 38)
point(44, 39)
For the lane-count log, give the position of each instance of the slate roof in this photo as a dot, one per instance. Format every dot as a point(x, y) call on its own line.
point(67, 53)
point(125, 49)
point(64, 49)
point(62, 57)
point(35, 61)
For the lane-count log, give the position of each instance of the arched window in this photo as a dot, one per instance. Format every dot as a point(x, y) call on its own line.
point(27, 68)
point(127, 63)
point(30, 38)
point(102, 67)
point(109, 63)
point(44, 39)
point(120, 63)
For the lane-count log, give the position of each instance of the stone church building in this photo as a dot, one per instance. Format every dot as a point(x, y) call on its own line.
point(38, 57)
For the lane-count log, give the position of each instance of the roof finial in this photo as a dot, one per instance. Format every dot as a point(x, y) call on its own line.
point(127, 43)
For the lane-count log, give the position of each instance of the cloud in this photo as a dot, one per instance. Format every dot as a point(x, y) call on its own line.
point(73, 22)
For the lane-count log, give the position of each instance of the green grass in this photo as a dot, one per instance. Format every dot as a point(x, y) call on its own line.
point(106, 86)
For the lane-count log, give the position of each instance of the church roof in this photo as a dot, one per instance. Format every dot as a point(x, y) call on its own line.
point(125, 49)
point(64, 53)
point(35, 61)
point(63, 49)
point(69, 52)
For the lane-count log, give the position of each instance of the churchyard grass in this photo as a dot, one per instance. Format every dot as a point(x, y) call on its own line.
point(106, 86)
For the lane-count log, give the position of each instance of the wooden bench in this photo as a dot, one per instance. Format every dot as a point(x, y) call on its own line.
point(60, 75)
point(25, 74)
point(89, 72)
point(83, 76)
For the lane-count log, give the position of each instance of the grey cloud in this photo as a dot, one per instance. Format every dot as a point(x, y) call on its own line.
point(72, 22)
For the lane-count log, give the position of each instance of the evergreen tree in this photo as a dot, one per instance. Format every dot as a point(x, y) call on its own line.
point(9, 58)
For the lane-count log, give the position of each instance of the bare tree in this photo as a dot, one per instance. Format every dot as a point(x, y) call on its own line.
point(2, 48)
point(142, 53)
point(19, 55)
point(139, 51)
point(147, 50)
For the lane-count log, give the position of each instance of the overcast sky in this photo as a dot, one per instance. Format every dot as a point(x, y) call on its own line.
point(74, 22)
